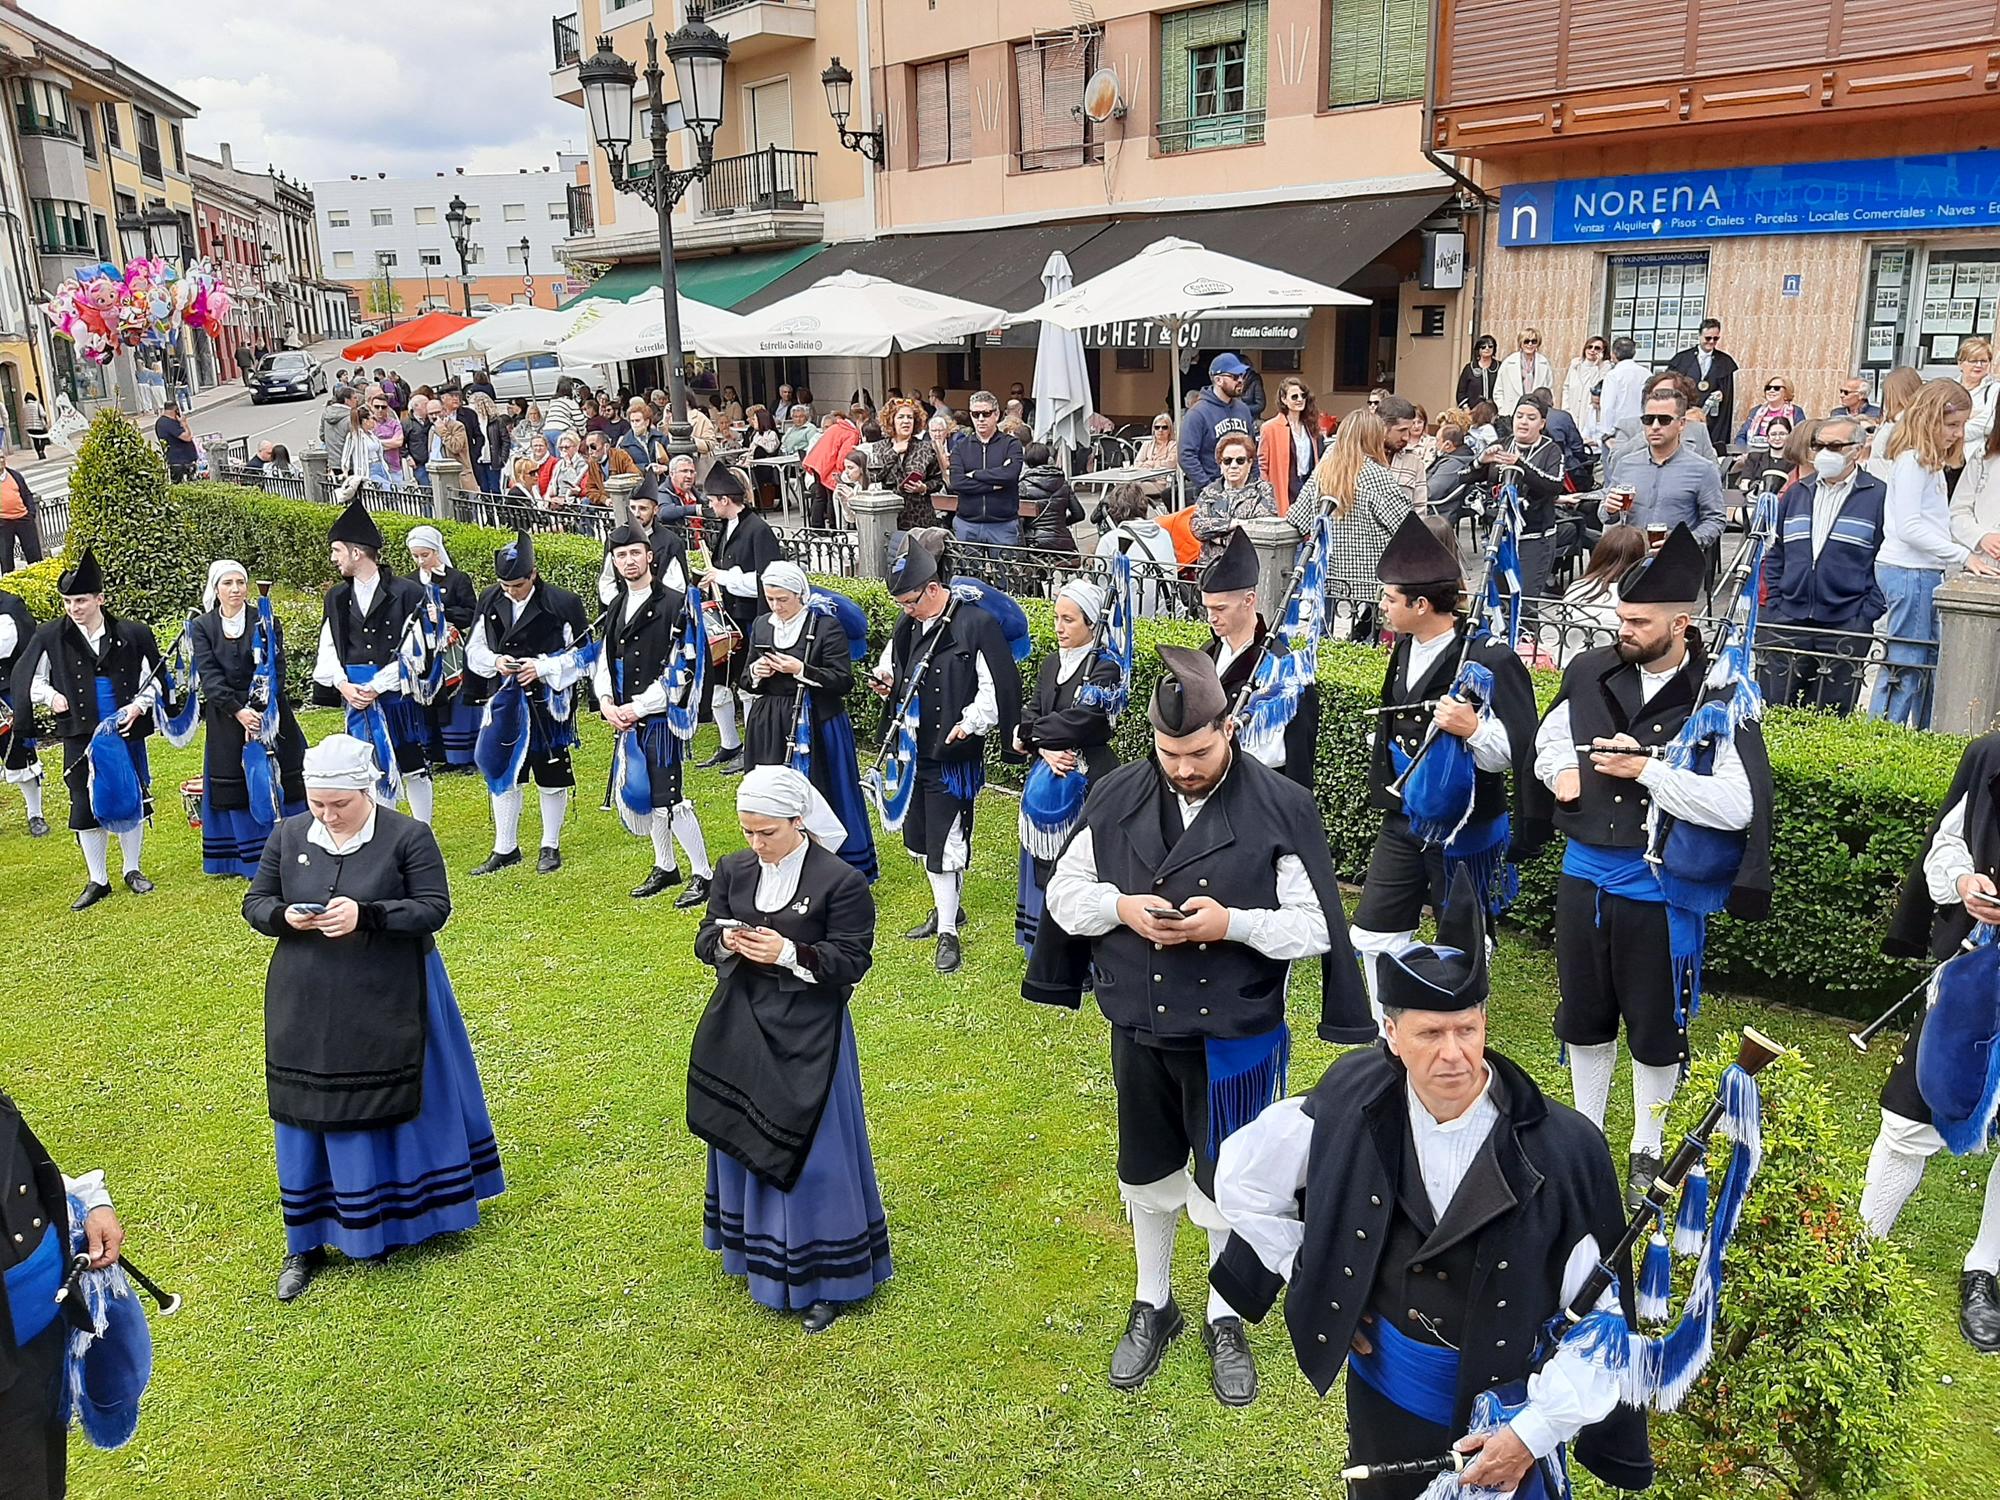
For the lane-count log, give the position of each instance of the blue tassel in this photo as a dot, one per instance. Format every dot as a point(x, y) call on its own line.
point(1656, 1280)
point(502, 746)
point(1244, 1076)
point(117, 794)
point(963, 778)
point(1691, 1229)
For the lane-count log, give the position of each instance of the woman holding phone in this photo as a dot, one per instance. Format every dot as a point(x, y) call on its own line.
point(774, 1082)
point(382, 1130)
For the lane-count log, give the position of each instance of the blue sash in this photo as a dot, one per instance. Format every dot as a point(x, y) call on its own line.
point(1420, 1378)
point(1615, 872)
point(32, 1288)
point(1244, 1076)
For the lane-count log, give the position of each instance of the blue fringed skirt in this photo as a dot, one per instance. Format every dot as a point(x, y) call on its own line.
point(364, 1192)
point(232, 842)
point(458, 729)
point(825, 1240)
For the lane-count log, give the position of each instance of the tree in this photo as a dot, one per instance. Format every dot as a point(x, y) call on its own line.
point(383, 298)
point(120, 503)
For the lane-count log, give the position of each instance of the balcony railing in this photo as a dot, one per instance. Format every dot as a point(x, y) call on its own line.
point(708, 10)
point(581, 220)
point(1205, 132)
point(767, 181)
point(569, 43)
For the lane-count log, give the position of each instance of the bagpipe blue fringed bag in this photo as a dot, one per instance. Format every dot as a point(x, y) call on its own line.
point(107, 1366)
point(260, 750)
point(177, 714)
point(892, 780)
point(1291, 660)
point(687, 671)
point(501, 750)
point(1958, 1053)
point(1051, 804)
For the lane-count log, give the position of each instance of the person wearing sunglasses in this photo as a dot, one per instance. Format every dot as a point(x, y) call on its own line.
point(1475, 381)
point(1160, 451)
point(1585, 371)
point(1239, 495)
point(1854, 402)
point(1777, 407)
point(1526, 369)
point(1714, 375)
point(1663, 481)
point(1822, 598)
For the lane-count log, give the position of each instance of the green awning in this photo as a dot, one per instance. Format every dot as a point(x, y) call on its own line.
point(719, 280)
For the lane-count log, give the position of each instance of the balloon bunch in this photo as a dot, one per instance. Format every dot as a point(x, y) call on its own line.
point(102, 309)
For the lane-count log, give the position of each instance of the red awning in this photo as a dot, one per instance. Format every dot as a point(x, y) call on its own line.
point(408, 338)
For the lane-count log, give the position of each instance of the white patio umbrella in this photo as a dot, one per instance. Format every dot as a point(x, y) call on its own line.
point(611, 331)
point(1172, 282)
point(509, 333)
point(1062, 377)
point(858, 316)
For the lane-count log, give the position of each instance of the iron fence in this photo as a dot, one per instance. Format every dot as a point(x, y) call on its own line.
point(52, 521)
point(833, 554)
point(271, 481)
point(482, 509)
point(770, 180)
point(569, 44)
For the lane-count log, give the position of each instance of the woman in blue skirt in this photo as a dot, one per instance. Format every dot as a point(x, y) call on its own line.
point(801, 658)
point(451, 724)
point(774, 1085)
point(382, 1131)
point(229, 638)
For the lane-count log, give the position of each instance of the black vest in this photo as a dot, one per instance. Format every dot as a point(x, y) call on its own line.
point(130, 653)
point(1408, 726)
point(752, 546)
point(640, 646)
point(950, 680)
point(822, 646)
point(1422, 1286)
point(32, 1206)
point(371, 639)
point(1604, 699)
point(538, 630)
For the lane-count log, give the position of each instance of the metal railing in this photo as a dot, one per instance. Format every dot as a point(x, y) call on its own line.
point(1243, 127)
point(569, 42)
point(832, 553)
point(581, 218)
point(767, 181)
point(52, 522)
point(283, 483)
point(708, 10)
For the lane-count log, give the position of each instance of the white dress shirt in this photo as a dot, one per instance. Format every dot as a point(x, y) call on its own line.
point(982, 714)
point(1491, 749)
point(653, 699)
point(776, 885)
point(558, 669)
point(42, 690)
point(1827, 501)
point(328, 669)
point(1948, 857)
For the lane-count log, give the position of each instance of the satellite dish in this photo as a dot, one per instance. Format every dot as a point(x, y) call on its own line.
point(1101, 97)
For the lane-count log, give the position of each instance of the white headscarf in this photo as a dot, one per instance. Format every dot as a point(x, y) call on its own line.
point(788, 576)
point(218, 570)
point(1086, 596)
point(342, 763)
point(431, 537)
point(781, 792)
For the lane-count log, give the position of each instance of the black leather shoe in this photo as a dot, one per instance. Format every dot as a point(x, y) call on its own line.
point(1232, 1373)
point(297, 1273)
point(949, 955)
point(495, 862)
point(548, 862)
point(92, 894)
point(720, 756)
point(1147, 1333)
point(1641, 1169)
point(736, 765)
point(656, 882)
point(138, 884)
point(695, 895)
point(38, 828)
point(1979, 1310)
point(929, 927)
point(820, 1316)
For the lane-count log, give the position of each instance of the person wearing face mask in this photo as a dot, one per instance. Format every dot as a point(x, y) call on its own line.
point(1822, 599)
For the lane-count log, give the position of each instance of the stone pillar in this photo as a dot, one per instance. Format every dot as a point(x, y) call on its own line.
point(619, 489)
point(314, 461)
point(1277, 547)
point(874, 519)
point(1967, 697)
point(444, 486)
point(218, 461)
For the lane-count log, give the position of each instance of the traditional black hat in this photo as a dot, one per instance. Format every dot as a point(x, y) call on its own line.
point(85, 578)
point(722, 484)
point(1188, 695)
point(625, 536)
point(1672, 575)
point(356, 527)
point(915, 568)
point(1234, 568)
point(1449, 974)
point(516, 560)
point(1416, 558)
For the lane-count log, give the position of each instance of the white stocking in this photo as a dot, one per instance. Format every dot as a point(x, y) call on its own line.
point(507, 822)
point(1156, 1214)
point(1651, 1089)
point(130, 847)
point(1218, 1240)
point(31, 793)
point(423, 796)
point(1895, 1167)
point(1590, 1070)
point(1985, 1252)
point(96, 854)
point(663, 841)
point(687, 828)
point(555, 808)
point(723, 705)
point(944, 892)
point(1369, 946)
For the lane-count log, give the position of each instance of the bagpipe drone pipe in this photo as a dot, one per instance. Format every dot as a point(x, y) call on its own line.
point(1596, 1341)
point(631, 789)
point(1051, 804)
point(261, 778)
point(108, 1357)
point(1270, 698)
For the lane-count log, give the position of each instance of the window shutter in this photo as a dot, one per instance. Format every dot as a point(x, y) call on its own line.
point(1406, 40)
point(958, 74)
point(1028, 89)
point(1354, 72)
point(1064, 71)
point(933, 115)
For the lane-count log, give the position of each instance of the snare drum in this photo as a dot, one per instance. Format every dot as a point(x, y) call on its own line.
point(724, 638)
point(192, 791)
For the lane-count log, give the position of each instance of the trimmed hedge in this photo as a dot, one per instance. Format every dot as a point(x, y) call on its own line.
point(36, 585)
point(1855, 800)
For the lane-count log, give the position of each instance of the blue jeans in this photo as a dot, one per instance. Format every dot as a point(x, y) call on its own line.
point(1909, 665)
point(991, 533)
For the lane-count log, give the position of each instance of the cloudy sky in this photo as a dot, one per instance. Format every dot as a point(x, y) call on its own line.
point(322, 91)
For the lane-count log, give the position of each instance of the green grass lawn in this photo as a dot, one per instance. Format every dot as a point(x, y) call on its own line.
point(580, 1342)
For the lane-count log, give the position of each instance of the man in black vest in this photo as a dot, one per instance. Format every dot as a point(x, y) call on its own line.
point(1194, 881)
point(34, 1333)
point(85, 668)
point(641, 629)
point(1431, 1210)
point(670, 561)
point(23, 768)
point(361, 631)
point(1617, 957)
point(1229, 599)
point(950, 647)
point(1951, 888)
point(524, 629)
point(1422, 588)
point(746, 546)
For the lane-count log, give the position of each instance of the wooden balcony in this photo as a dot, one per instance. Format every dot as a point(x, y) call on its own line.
point(1528, 73)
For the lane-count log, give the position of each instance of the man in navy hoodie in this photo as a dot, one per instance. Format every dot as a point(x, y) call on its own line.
point(1219, 410)
point(1819, 576)
point(986, 476)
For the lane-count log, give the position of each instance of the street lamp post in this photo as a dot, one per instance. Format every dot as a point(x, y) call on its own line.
point(698, 53)
point(527, 273)
point(461, 240)
point(839, 85)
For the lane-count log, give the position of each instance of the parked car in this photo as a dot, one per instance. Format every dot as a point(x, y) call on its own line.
point(481, 309)
point(288, 372)
point(366, 330)
point(534, 376)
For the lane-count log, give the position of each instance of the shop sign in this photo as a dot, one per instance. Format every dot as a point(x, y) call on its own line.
point(1244, 328)
point(1956, 190)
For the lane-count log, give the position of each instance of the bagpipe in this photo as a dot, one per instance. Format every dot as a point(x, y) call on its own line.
point(261, 777)
point(821, 605)
point(108, 1359)
point(1051, 803)
point(117, 789)
point(1647, 1371)
point(1958, 1052)
point(507, 726)
point(687, 671)
point(417, 671)
point(1269, 697)
point(1867, 1034)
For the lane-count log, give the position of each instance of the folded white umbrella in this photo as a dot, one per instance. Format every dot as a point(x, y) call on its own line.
point(1062, 374)
point(859, 316)
point(611, 331)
